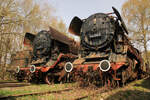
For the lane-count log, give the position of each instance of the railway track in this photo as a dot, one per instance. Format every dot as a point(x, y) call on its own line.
point(13, 84)
point(36, 93)
point(96, 92)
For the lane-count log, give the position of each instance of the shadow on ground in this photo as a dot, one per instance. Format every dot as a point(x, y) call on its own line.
point(145, 83)
point(130, 95)
point(8, 82)
point(10, 98)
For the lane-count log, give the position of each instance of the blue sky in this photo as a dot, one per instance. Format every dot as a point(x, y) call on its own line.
point(67, 9)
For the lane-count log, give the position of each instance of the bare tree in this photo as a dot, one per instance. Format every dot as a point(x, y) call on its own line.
point(137, 15)
point(16, 18)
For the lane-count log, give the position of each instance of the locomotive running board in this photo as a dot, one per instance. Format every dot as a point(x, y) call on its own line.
point(45, 69)
point(61, 55)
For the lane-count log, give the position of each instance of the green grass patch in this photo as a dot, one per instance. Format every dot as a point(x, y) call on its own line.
point(33, 89)
point(5, 92)
point(137, 90)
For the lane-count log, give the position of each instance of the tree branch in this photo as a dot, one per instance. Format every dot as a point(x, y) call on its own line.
point(11, 21)
point(13, 33)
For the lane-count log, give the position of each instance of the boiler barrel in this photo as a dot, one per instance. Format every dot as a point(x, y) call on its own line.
point(56, 35)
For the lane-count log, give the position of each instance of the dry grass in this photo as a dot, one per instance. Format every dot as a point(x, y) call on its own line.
point(137, 90)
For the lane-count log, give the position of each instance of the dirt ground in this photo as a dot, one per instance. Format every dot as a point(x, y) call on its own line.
point(137, 90)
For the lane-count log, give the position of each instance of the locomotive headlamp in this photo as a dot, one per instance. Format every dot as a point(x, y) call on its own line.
point(68, 67)
point(17, 69)
point(32, 68)
point(104, 65)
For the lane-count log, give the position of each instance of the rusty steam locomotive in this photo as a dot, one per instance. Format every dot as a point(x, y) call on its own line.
point(106, 55)
point(50, 50)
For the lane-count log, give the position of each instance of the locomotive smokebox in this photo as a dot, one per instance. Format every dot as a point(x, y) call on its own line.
point(42, 44)
point(104, 65)
point(97, 31)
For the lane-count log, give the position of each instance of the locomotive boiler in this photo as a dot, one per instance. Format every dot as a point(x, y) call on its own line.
point(49, 51)
point(106, 55)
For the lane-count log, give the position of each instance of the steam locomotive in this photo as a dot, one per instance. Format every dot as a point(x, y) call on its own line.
point(49, 51)
point(106, 55)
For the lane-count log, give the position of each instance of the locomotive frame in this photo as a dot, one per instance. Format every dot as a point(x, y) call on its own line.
point(50, 65)
point(106, 55)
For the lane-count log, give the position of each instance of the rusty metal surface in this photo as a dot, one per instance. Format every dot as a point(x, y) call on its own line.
point(60, 36)
point(75, 26)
